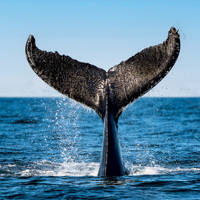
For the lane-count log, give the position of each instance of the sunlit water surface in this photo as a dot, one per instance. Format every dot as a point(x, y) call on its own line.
point(51, 147)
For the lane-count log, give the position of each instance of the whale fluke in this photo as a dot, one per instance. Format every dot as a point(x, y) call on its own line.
point(140, 73)
point(87, 83)
point(80, 81)
point(108, 93)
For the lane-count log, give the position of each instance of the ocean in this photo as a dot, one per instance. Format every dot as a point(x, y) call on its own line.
point(51, 148)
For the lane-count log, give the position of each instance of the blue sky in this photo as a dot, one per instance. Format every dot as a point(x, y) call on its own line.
point(103, 33)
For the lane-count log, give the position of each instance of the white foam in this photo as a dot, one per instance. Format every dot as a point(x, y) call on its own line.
point(79, 169)
point(157, 170)
point(62, 169)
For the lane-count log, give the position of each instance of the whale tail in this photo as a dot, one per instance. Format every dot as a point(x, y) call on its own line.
point(89, 84)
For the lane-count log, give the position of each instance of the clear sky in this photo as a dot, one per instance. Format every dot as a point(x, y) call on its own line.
point(101, 32)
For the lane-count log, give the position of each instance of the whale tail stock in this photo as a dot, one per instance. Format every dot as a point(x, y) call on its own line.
point(89, 84)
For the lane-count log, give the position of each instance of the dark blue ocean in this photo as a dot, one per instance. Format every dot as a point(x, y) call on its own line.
point(51, 147)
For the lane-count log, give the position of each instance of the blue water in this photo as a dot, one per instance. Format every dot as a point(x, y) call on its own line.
point(51, 147)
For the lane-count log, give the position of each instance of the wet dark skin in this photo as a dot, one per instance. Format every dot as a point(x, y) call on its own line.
point(108, 93)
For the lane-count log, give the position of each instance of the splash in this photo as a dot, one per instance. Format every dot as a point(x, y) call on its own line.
point(67, 128)
point(64, 129)
point(63, 125)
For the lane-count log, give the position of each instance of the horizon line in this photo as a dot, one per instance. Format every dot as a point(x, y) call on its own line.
point(74, 100)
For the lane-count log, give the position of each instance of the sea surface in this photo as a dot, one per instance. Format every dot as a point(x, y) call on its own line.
point(51, 148)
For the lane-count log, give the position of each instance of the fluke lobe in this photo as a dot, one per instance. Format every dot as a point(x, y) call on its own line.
point(108, 93)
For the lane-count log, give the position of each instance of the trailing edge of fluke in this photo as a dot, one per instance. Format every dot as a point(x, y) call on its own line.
point(108, 93)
